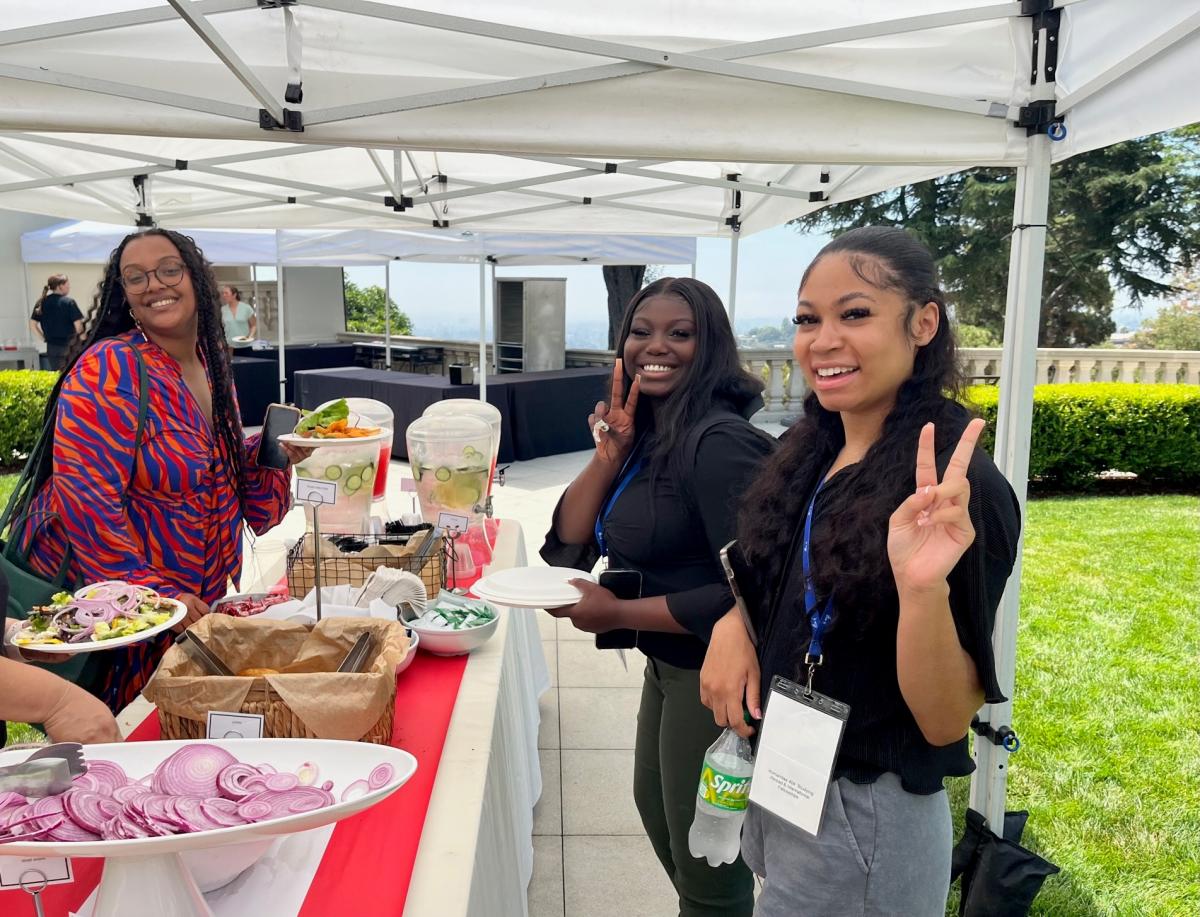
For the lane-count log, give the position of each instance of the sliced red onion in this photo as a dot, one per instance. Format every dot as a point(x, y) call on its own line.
point(356, 790)
point(123, 794)
point(222, 812)
point(192, 771)
point(327, 786)
point(88, 783)
point(9, 800)
point(107, 774)
point(232, 780)
point(89, 810)
point(307, 773)
point(254, 809)
point(380, 776)
point(281, 782)
point(32, 835)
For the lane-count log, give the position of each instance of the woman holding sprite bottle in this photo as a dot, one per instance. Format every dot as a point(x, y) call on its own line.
point(884, 540)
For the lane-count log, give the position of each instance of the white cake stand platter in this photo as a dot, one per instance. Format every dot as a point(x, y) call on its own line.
point(147, 877)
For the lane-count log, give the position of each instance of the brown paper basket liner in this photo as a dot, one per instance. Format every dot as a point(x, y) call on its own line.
point(308, 699)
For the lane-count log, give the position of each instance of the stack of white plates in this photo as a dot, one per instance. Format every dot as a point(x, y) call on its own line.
point(532, 587)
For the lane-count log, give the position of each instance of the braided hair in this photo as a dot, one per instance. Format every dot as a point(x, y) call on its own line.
point(849, 539)
point(110, 316)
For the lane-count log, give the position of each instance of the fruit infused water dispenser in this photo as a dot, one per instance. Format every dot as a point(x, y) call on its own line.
point(353, 467)
point(451, 458)
point(368, 412)
point(472, 407)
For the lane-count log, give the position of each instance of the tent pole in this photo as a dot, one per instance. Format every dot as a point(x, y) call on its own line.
point(733, 268)
point(1014, 421)
point(279, 327)
point(483, 367)
point(387, 315)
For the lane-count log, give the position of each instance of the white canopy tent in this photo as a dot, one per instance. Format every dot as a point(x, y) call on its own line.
point(90, 241)
point(689, 117)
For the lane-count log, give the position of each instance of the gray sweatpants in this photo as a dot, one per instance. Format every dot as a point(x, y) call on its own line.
point(881, 852)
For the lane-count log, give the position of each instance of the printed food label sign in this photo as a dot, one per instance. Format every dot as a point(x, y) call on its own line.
point(723, 791)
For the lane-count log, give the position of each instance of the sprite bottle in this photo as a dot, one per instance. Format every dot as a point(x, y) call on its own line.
point(716, 832)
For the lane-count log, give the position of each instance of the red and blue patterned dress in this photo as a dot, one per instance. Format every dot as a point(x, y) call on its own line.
point(176, 526)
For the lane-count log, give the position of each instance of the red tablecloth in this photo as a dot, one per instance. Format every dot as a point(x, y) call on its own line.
point(368, 863)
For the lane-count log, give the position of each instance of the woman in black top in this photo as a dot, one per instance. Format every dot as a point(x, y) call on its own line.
point(56, 319)
point(674, 451)
point(914, 535)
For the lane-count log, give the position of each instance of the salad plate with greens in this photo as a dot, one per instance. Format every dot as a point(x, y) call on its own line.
point(332, 424)
point(102, 616)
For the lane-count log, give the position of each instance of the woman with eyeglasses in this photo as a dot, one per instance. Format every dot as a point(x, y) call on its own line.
point(169, 513)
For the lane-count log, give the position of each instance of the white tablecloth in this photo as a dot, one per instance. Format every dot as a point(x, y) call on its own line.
point(481, 811)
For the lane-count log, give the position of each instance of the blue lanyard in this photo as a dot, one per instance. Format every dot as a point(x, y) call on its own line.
point(818, 618)
point(629, 471)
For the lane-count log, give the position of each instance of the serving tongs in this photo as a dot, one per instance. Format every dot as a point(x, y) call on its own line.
point(47, 772)
point(206, 658)
point(359, 654)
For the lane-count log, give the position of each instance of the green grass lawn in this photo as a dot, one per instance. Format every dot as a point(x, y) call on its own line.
point(1108, 679)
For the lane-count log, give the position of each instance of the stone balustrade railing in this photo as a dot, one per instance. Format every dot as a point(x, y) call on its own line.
point(785, 389)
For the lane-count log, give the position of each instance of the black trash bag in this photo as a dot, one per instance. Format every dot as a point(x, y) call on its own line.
point(1000, 878)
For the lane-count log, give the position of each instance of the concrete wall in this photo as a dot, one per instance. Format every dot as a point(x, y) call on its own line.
point(314, 302)
point(313, 294)
point(16, 297)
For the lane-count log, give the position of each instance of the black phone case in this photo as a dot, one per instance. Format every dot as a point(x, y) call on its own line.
point(619, 639)
point(270, 454)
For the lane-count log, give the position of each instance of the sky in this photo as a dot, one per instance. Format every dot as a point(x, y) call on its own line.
point(442, 297)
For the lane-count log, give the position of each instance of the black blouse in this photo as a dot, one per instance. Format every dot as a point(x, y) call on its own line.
point(859, 664)
point(673, 537)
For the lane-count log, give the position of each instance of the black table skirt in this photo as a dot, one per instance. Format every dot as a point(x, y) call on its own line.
point(257, 385)
point(300, 357)
point(540, 413)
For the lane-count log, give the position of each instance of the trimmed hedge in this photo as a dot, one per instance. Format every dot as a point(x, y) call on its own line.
point(1081, 430)
point(23, 395)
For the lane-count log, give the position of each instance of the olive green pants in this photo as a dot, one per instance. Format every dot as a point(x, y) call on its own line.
point(673, 732)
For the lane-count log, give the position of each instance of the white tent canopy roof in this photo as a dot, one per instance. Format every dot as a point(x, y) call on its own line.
point(91, 242)
point(798, 101)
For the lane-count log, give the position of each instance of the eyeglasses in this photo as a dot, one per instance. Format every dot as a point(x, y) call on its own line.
point(169, 273)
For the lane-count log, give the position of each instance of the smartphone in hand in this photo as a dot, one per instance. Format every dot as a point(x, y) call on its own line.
point(624, 584)
point(737, 572)
point(280, 419)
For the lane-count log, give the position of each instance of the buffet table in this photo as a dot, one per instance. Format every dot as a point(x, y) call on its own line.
point(543, 413)
point(455, 840)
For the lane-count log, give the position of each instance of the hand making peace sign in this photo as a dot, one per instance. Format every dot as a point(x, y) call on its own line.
point(612, 424)
point(932, 529)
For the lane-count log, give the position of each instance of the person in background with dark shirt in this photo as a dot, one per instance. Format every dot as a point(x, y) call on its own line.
point(56, 319)
point(914, 535)
point(674, 450)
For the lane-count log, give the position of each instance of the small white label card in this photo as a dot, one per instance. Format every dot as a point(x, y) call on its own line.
point(234, 725)
point(792, 766)
point(316, 492)
point(34, 871)
point(453, 522)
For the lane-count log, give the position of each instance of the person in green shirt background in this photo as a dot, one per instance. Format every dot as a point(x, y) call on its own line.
point(237, 317)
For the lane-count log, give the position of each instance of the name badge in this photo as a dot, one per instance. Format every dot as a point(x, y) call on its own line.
point(801, 735)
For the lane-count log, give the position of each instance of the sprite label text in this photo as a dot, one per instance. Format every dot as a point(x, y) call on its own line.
point(723, 791)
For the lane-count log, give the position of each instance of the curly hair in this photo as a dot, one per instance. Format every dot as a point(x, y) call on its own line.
point(110, 316)
point(715, 374)
point(849, 541)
